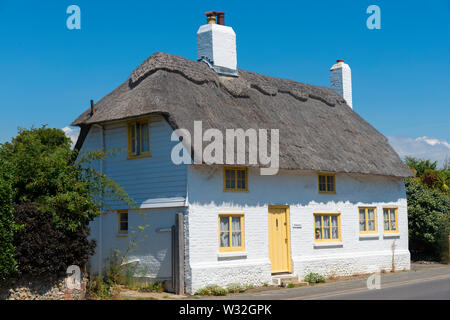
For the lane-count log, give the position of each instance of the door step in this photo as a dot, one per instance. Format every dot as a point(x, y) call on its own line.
point(283, 279)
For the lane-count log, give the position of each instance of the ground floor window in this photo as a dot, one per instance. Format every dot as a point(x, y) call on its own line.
point(122, 218)
point(390, 217)
point(367, 220)
point(231, 232)
point(327, 227)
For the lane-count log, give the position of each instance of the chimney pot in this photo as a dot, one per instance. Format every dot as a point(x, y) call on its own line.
point(221, 18)
point(211, 17)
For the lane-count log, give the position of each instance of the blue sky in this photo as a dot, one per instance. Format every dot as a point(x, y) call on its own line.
point(401, 73)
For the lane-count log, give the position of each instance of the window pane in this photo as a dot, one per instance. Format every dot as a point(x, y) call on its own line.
point(236, 223)
point(362, 225)
point(335, 232)
point(133, 138)
point(230, 179)
point(392, 214)
point(236, 239)
point(224, 239)
point(386, 225)
point(371, 225)
point(326, 233)
point(318, 221)
point(371, 214)
point(138, 138)
point(326, 221)
point(322, 183)
point(224, 224)
point(145, 138)
point(393, 226)
point(330, 183)
point(241, 179)
point(123, 226)
point(334, 221)
point(318, 233)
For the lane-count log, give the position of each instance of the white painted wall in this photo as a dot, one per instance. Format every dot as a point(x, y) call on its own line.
point(298, 190)
point(158, 188)
point(218, 44)
point(153, 245)
point(341, 81)
point(153, 181)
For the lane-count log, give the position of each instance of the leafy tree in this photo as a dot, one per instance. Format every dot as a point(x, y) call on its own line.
point(43, 172)
point(420, 165)
point(7, 227)
point(44, 182)
point(428, 219)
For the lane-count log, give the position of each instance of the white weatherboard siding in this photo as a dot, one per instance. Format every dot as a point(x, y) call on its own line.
point(154, 183)
point(152, 256)
point(298, 190)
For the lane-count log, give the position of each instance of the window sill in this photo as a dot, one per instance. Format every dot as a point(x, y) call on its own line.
point(233, 190)
point(369, 236)
point(391, 235)
point(328, 244)
point(131, 157)
point(122, 236)
point(240, 254)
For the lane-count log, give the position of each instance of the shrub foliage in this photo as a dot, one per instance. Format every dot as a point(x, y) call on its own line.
point(7, 227)
point(54, 199)
point(41, 248)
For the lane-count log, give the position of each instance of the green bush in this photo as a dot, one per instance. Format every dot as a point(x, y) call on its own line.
point(428, 220)
point(211, 290)
point(314, 278)
point(42, 249)
point(235, 288)
point(7, 227)
point(218, 291)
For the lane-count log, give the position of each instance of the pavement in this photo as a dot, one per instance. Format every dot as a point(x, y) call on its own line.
point(422, 282)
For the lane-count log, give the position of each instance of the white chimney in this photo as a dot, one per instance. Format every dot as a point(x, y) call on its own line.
point(216, 44)
point(341, 81)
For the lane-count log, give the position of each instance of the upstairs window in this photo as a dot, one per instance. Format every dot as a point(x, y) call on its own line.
point(235, 179)
point(122, 219)
point(390, 217)
point(367, 220)
point(138, 139)
point(327, 183)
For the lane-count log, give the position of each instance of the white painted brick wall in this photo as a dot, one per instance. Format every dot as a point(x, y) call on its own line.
point(299, 191)
point(217, 43)
point(341, 81)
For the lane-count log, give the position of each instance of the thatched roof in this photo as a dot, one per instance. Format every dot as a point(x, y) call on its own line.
point(318, 131)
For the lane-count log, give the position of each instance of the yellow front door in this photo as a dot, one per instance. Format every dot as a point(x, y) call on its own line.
point(279, 251)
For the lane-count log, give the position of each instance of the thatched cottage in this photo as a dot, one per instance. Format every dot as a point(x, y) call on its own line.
point(336, 205)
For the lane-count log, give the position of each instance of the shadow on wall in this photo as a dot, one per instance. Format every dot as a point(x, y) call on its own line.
point(295, 189)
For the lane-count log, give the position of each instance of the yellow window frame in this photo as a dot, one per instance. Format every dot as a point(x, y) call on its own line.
point(137, 153)
point(120, 214)
point(326, 176)
point(322, 214)
point(389, 220)
point(366, 219)
point(230, 232)
point(235, 189)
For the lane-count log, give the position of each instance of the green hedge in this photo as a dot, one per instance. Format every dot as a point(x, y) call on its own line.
point(7, 227)
point(428, 219)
